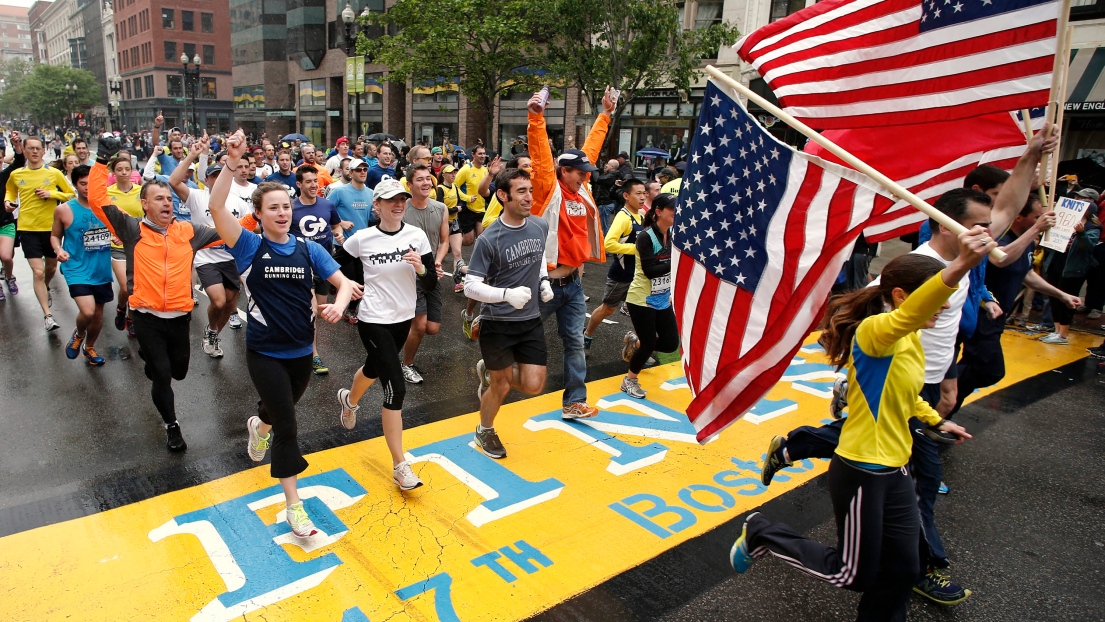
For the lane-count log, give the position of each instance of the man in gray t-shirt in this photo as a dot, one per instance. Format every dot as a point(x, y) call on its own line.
point(432, 218)
point(507, 274)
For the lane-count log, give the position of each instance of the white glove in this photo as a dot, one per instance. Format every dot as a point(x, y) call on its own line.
point(517, 296)
point(546, 290)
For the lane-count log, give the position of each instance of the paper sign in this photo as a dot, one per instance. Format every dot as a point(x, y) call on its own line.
point(1068, 213)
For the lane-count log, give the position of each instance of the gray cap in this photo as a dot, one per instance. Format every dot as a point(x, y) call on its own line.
point(1089, 193)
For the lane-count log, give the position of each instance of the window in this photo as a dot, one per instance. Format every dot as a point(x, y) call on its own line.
point(190, 50)
point(207, 22)
point(312, 92)
point(249, 96)
point(208, 55)
point(782, 8)
point(128, 89)
point(137, 88)
point(149, 86)
point(175, 86)
point(167, 16)
point(207, 88)
point(709, 13)
point(170, 52)
point(187, 21)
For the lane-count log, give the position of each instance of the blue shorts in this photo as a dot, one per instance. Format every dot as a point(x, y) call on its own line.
point(102, 294)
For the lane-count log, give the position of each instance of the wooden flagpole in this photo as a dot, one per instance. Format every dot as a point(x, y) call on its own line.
point(892, 186)
point(1061, 106)
point(1058, 71)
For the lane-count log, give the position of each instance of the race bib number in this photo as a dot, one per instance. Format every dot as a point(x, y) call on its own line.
point(97, 239)
point(661, 284)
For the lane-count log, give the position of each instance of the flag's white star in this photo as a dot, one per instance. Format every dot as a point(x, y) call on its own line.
point(760, 185)
point(702, 258)
point(743, 153)
point(682, 228)
point(733, 179)
point(739, 216)
point(750, 252)
point(752, 146)
point(697, 240)
point(701, 195)
point(715, 100)
point(735, 260)
point(719, 269)
point(733, 113)
point(936, 13)
point(729, 243)
point(719, 121)
point(709, 149)
point(713, 168)
point(720, 206)
point(958, 6)
point(715, 187)
point(748, 192)
point(693, 221)
point(739, 132)
point(747, 172)
point(695, 157)
point(727, 160)
point(705, 128)
point(723, 141)
point(761, 205)
point(744, 235)
point(758, 166)
point(752, 230)
point(741, 279)
point(725, 224)
point(771, 178)
point(714, 251)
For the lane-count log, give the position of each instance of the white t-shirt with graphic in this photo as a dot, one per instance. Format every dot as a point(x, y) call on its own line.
point(389, 281)
point(198, 202)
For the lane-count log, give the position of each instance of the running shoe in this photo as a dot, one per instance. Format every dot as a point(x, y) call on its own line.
point(350, 315)
point(458, 288)
point(2, 296)
point(488, 442)
point(625, 309)
point(174, 439)
point(94, 359)
point(937, 586)
point(466, 325)
point(411, 375)
point(579, 410)
point(1093, 314)
point(1055, 339)
point(652, 362)
point(51, 325)
point(217, 352)
point(739, 557)
point(943, 489)
point(1098, 352)
point(235, 321)
point(348, 415)
point(130, 328)
point(630, 347)
point(258, 444)
point(458, 277)
point(209, 337)
point(587, 341)
point(938, 436)
point(774, 459)
point(13, 287)
point(120, 318)
point(73, 348)
point(485, 379)
point(586, 299)
point(299, 521)
point(632, 388)
point(404, 477)
point(318, 366)
point(840, 397)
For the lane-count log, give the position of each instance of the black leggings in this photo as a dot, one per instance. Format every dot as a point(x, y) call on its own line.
point(163, 343)
point(280, 383)
point(1060, 312)
point(656, 330)
point(381, 344)
point(877, 530)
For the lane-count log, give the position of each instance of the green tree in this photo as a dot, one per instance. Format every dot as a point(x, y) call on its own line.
point(633, 45)
point(487, 46)
point(41, 93)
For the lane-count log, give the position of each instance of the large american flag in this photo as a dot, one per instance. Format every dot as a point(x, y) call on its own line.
point(761, 232)
point(861, 63)
point(939, 156)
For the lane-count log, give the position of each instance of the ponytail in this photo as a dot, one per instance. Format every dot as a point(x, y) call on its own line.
point(662, 201)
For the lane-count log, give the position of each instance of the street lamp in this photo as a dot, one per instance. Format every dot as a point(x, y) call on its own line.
point(70, 96)
point(348, 17)
point(194, 74)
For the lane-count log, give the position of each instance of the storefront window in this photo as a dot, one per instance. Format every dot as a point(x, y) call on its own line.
point(249, 96)
point(312, 129)
point(312, 93)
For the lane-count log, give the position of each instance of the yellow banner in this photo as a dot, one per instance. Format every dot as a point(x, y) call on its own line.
point(360, 73)
point(350, 75)
point(574, 504)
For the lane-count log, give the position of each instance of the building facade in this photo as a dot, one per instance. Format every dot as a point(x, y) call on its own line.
point(150, 37)
point(38, 32)
point(15, 33)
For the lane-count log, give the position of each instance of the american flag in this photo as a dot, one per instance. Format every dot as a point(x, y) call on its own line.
point(939, 156)
point(863, 63)
point(761, 232)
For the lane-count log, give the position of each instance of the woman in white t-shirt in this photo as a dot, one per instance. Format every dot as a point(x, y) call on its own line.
point(394, 254)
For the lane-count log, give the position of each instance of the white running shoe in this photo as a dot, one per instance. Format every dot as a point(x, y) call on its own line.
point(258, 445)
point(50, 324)
point(235, 321)
point(217, 351)
point(404, 477)
point(299, 521)
point(348, 411)
point(411, 375)
point(209, 337)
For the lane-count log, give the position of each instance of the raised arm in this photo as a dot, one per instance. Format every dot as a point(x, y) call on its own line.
point(155, 135)
point(1015, 191)
point(180, 173)
point(543, 173)
point(1016, 248)
point(597, 136)
point(227, 225)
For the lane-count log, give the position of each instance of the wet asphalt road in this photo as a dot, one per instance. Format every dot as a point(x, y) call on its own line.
point(1025, 522)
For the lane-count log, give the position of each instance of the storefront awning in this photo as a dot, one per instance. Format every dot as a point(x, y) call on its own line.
point(1085, 84)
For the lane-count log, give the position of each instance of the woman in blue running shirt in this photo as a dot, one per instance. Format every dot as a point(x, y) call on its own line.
point(277, 270)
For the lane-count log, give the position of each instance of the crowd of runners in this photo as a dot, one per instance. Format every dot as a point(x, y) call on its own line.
point(281, 235)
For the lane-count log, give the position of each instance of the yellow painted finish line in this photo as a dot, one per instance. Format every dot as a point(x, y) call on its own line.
point(573, 505)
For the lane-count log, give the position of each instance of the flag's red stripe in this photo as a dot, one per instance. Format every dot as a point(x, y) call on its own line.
point(703, 318)
point(940, 84)
point(1031, 99)
point(991, 43)
point(869, 14)
point(734, 334)
point(787, 23)
point(682, 282)
point(794, 237)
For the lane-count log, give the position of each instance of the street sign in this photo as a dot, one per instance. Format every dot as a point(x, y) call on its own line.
point(179, 100)
point(99, 111)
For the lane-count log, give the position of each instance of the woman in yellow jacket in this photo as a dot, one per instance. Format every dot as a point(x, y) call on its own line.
point(873, 332)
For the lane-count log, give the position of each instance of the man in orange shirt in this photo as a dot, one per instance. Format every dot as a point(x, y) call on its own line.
point(310, 155)
point(561, 197)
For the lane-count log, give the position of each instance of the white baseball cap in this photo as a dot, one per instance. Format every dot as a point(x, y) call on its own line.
point(389, 187)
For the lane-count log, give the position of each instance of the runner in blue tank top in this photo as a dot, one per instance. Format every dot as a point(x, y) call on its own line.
point(277, 269)
point(83, 247)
